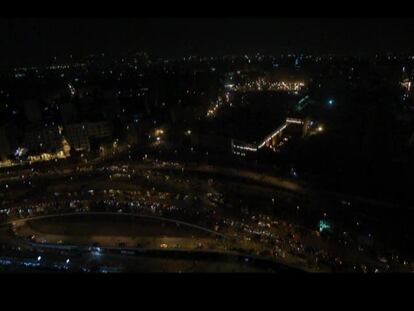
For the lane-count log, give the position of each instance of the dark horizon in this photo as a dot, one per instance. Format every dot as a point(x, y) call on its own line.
point(37, 41)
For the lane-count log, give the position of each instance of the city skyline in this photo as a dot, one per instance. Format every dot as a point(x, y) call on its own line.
point(38, 41)
point(278, 153)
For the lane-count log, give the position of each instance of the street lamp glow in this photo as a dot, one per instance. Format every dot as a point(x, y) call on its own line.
point(159, 132)
point(320, 129)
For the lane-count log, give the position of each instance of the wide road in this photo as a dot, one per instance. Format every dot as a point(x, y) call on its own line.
point(294, 186)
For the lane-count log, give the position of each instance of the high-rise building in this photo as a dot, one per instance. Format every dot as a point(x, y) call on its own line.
point(43, 139)
point(4, 144)
point(79, 135)
point(68, 112)
point(32, 111)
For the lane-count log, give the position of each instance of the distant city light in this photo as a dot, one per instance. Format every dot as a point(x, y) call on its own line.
point(324, 225)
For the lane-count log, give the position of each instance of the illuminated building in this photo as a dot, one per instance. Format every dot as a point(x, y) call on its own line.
point(65, 147)
point(4, 144)
point(264, 84)
point(68, 112)
point(407, 87)
point(79, 135)
point(43, 139)
point(271, 140)
point(32, 111)
point(46, 156)
point(257, 120)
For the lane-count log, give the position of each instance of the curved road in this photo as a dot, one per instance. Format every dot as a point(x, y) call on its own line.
point(118, 214)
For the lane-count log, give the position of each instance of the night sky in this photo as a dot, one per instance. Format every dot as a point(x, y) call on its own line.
point(31, 41)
